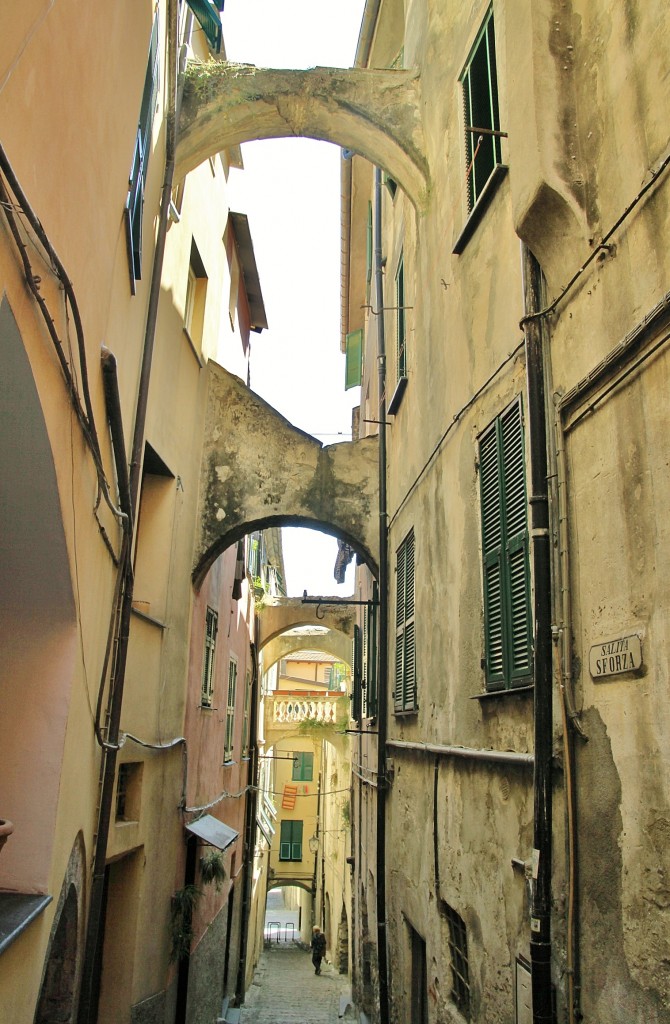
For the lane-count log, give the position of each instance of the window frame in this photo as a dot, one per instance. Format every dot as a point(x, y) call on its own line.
point(488, 154)
point(460, 968)
point(506, 583)
point(231, 697)
point(401, 319)
point(405, 697)
point(245, 720)
point(209, 657)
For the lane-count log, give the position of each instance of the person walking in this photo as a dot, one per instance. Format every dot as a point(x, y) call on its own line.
point(318, 945)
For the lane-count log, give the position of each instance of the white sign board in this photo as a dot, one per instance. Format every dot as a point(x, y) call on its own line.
point(612, 657)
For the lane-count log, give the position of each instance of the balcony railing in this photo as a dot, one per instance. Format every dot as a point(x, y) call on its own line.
point(292, 710)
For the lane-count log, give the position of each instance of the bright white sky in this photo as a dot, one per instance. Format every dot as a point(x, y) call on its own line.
point(290, 190)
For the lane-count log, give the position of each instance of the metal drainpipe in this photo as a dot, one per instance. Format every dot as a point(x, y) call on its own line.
point(382, 716)
point(249, 825)
point(540, 921)
point(88, 1010)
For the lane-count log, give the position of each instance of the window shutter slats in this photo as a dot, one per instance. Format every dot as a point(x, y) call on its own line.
point(405, 694)
point(353, 368)
point(410, 669)
point(507, 619)
point(357, 680)
point(399, 660)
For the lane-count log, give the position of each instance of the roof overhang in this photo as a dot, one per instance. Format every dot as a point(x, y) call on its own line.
point(252, 285)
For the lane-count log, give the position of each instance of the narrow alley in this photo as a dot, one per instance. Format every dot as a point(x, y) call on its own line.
point(285, 989)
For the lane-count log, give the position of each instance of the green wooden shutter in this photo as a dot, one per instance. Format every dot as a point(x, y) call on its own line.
point(405, 694)
point(296, 840)
point(492, 549)
point(364, 665)
point(353, 369)
point(516, 544)
point(507, 619)
point(371, 672)
point(209, 19)
point(285, 840)
point(401, 332)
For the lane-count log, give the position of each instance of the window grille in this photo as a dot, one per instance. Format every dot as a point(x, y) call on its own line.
point(458, 949)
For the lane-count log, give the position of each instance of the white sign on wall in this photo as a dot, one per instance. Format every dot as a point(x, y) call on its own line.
point(613, 657)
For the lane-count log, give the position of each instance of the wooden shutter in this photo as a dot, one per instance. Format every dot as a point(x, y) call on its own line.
point(353, 369)
point(296, 840)
point(371, 668)
point(507, 620)
point(285, 840)
point(492, 549)
point(405, 695)
point(516, 543)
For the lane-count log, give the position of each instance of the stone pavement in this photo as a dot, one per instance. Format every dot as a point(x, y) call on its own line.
point(286, 990)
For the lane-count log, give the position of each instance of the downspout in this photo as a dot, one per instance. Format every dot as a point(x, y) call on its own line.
point(249, 826)
point(540, 920)
point(382, 699)
point(88, 1012)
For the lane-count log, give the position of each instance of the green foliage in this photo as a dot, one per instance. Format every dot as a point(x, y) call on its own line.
point(212, 869)
point(184, 902)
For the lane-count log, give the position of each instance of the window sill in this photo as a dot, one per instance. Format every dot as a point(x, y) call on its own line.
point(228, 764)
point(396, 397)
point(17, 911)
point(406, 714)
point(490, 188)
point(193, 348)
point(148, 618)
point(520, 691)
point(206, 707)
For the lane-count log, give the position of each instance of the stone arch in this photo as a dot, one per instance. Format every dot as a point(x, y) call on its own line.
point(280, 614)
point(62, 966)
point(376, 113)
point(258, 470)
point(333, 641)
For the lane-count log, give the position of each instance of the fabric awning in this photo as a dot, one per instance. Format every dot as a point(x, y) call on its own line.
point(212, 831)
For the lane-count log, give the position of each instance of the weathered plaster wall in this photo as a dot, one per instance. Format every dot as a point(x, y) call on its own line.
point(258, 470)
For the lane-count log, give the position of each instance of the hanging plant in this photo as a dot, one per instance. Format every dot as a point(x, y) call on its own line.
point(184, 902)
point(212, 869)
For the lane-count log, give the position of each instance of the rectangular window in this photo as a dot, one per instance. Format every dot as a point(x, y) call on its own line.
point(369, 251)
point(506, 571)
point(458, 949)
point(211, 629)
point(245, 724)
point(303, 766)
point(208, 15)
point(230, 710)
point(140, 162)
point(196, 291)
point(129, 791)
point(356, 674)
point(480, 107)
point(401, 332)
point(353, 366)
point(419, 992)
point(290, 841)
point(405, 696)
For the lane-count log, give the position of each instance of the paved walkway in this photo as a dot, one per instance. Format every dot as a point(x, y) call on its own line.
point(286, 990)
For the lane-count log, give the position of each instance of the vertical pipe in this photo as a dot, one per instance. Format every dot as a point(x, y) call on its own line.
point(540, 921)
point(382, 700)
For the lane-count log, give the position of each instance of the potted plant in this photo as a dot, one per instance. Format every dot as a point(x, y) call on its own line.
point(212, 869)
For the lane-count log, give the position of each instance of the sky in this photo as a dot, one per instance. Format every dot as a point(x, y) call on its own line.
point(290, 191)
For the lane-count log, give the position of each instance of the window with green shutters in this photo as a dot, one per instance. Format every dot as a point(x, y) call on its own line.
point(404, 695)
point(140, 161)
point(480, 107)
point(353, 367)
point(303, 766)
point(211, 629)
point(369, 658)
point(369, 247)
point(357, 674)
point(506, 572)
point(290, 841)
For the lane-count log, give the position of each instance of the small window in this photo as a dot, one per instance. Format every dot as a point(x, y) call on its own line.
point(129, 791)
point(506, 569)
point(290, 842)
point(458, 949)
point(405, 696)
point(211, 629)
point(245, 724)
point(369, 658)
point(419, 991)
point(196, 291)
point(480, 107)
point(401, 324)
point(303, 766)
point(230, 710)
point(140, 162)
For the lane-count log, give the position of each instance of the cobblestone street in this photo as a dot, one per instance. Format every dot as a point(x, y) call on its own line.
point(285, 990)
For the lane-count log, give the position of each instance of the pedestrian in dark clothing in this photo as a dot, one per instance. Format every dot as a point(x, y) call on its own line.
point(318, 945)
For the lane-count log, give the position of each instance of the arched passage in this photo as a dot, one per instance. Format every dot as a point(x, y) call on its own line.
point(281, 614)
point(376, 113)
point(258, 470)
point(331, 641)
